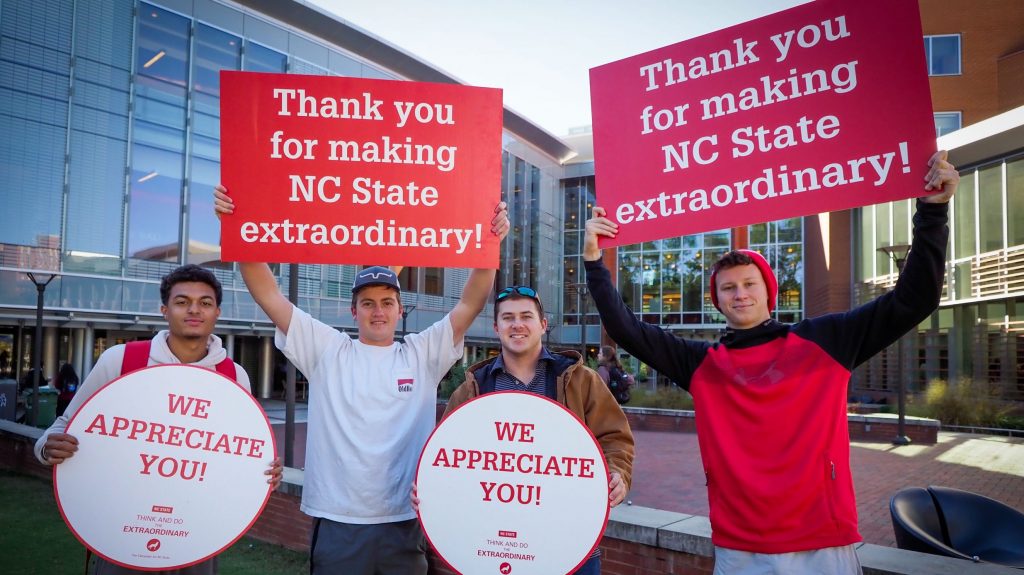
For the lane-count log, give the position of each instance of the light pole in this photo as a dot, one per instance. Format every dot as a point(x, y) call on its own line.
point(406, 310)
point(37, 352)
point(898, 254)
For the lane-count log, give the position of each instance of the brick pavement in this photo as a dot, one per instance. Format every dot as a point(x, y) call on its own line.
point(668, 474)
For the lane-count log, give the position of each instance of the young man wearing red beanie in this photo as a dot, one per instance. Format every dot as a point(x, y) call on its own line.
point(770, 398)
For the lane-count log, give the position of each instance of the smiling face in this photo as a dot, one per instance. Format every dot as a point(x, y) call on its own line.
point(742, 296)
point(520, 326)
point(376, 310)
point(191, 311)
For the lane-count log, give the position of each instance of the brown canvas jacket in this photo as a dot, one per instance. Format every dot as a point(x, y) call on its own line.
point(582, 391)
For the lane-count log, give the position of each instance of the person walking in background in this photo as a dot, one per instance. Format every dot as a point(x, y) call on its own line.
point(614, 375)
point(66, 384)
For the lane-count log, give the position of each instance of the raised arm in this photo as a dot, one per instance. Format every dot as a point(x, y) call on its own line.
point(672, 356)
point(480, 283)
point(854, 337)
point(258, 278)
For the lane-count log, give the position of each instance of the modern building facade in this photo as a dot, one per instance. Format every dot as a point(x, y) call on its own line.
point(978, 332)
point(110, 112)
point(975, 54)
point(110, 116)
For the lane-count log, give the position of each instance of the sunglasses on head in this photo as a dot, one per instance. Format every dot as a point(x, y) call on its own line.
point(521, 290)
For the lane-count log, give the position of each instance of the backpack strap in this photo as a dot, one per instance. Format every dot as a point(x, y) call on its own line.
point(136, 356)
point(227, 368)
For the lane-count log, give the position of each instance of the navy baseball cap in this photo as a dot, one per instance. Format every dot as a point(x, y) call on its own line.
point(376, 276)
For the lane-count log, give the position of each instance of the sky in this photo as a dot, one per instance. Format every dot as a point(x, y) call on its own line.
point(539, 52)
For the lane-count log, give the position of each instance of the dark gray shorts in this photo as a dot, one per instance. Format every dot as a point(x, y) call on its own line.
point(381, 549)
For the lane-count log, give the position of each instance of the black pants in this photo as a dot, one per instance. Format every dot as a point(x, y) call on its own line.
point(381, 549)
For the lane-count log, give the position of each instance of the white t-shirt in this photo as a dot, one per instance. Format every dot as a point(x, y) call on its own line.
point(371, 410)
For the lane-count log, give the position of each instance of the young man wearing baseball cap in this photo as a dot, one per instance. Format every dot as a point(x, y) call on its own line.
point(770, 398)
point(372, 406)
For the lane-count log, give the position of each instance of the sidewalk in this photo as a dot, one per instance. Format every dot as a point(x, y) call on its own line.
point(668, 474)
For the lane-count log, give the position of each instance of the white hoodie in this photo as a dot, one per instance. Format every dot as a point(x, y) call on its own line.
point(108, 368)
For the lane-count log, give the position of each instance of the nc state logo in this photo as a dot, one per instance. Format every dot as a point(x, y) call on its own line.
point(405, 384)
point(505, 569)
point(153, 544)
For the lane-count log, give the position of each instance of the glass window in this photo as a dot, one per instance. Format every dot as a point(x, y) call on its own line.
point(670, 288)
point(789, 267)
point(964, 217)
point(208, 148)
point(433, 281)
point(261, 59)
point(534, 225)
point(943, 54)
point(160, 103)
point(758, 234)
point(154, 204)
point(516, 216)
point(883, 263)
point(789, 230)
point(901, 222)
point(691, 278)
point(571, 207)
point(408, 278)
point(990, 207)
point(31, 180)
point(203, 227)
point(157, 136)
point(572, 275)
point(214, 51)
point(720, 238)
point(1015, 201)
point(95, 194)
point(652, 288)
point(630, 279)
point(946, 122)
point(162, 45)
point(864, 249)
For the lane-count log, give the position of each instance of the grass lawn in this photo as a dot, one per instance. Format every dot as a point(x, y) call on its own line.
point(34, 539)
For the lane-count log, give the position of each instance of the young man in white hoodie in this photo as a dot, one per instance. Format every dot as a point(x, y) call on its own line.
point(191, 298)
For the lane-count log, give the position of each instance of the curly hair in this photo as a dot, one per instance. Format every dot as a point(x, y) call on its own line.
point(190, 273)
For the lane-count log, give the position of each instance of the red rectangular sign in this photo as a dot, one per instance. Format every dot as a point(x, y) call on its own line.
point(822, 107)
point(356, 171)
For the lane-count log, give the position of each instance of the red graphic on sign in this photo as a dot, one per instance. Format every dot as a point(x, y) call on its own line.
point(153, 544)
point(162, 509)
point(509, 534)
point(505, 569)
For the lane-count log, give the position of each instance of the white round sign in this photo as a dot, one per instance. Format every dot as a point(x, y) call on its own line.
point(513, 483)
point(169, 467)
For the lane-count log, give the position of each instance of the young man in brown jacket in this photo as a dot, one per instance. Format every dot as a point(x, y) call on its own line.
point(526, 365)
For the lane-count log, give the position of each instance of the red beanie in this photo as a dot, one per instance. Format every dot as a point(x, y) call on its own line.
point(766, 272)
